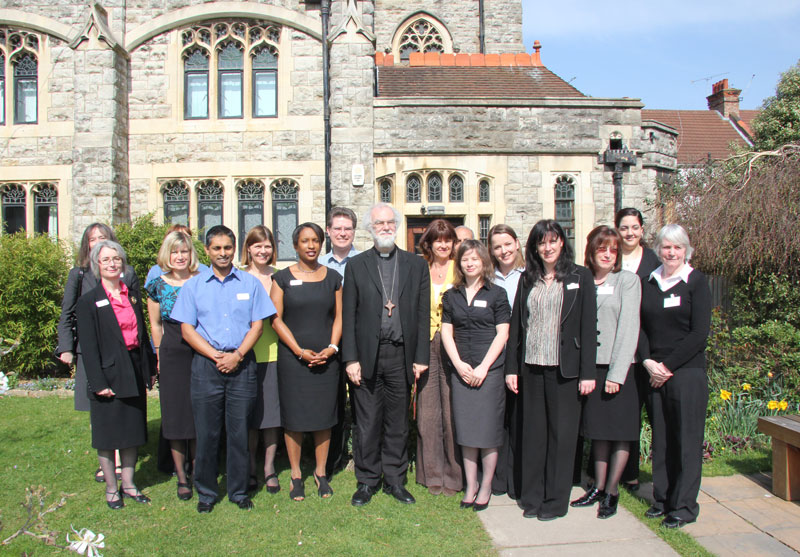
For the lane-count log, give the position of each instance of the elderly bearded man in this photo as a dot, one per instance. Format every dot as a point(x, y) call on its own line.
point(386, 310)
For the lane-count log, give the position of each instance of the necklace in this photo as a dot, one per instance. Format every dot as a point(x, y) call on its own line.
point(440, 270)
point(388, 305)
point(309, 272)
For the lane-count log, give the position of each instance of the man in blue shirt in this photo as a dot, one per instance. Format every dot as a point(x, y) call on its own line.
point(341, 229)
point(221, 312)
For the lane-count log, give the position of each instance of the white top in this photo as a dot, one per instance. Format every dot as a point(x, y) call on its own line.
point(632, 265)
point(666, 283)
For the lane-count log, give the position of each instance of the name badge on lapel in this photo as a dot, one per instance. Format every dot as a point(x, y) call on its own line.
point(295, 282)
point(605, 290)
point(101, 303)
point(573, 286)
point(479, 303)
point(243, 296)
point(672, 302)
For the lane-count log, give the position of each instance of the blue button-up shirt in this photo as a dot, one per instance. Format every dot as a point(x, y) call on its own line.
point(222, 311)
point(330, 261)
point(509, 282)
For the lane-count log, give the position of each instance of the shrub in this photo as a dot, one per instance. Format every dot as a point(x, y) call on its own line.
point(31, 288)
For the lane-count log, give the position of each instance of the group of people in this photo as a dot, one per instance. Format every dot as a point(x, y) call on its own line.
point(514, 356)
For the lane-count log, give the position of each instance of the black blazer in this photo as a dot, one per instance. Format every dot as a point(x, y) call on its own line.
point(578, 327)
point(362, 309)
point(105, 355)
point(648, 264)
point(74, 289)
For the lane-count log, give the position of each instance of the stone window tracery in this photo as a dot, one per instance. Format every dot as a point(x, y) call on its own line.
point(241, 49)
point(420, 36)
point(565, 206)
point(176, 202)
point(456, 188)
point(210, 195)
point(386, 191)
point(12, 202)
point(435, 188)
point(251, 206)
point(413, 189)
point(284, 216)
point(45, 209)
point(19, 62)
point(484, 191)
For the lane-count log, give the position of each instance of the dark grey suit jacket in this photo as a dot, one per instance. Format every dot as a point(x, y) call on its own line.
point(362, 308)
point(105, 355)
point(578, 327)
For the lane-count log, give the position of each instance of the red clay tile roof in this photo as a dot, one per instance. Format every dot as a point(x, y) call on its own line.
point(458, 82)
point(701, 132)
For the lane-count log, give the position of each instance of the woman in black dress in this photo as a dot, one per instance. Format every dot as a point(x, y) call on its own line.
point(117, 356)
point(475, 317)
point(640, 259)
point(676, 319)
point(178, 259)
point(308, 301)
point(611, 411)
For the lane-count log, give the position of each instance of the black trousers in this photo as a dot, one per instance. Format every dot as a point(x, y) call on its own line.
point(340, 433)
point(219, 398)
point(508, 473)
point(678, 419)
point(551, 409)
point(380, 432)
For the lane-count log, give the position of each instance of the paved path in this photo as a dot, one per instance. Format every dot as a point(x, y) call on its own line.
point(738, 516)
point(578, 533)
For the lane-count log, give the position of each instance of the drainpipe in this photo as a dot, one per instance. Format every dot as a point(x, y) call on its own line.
point(326, 94)
point(481, 32)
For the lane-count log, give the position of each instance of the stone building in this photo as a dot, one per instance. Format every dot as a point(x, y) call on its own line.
point(214, 112)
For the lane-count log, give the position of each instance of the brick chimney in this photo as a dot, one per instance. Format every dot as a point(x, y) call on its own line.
point(724, 99)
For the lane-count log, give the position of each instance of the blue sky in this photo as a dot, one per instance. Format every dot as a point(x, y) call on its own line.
point(668, 52)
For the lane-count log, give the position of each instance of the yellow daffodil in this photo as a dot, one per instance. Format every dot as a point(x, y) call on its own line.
point(724, 395)
point(783, 405)
point(769, 374)
point(772, 405)
point(746, 386)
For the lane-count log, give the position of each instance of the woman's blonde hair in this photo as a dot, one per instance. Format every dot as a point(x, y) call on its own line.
point(172, 240)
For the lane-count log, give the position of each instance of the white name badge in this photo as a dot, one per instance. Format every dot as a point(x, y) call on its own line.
point(672, 302)
point(295, 282)
point(101, 303)
point(605, 290)
point(573, 286)
point(243, 296)
point(479, 303)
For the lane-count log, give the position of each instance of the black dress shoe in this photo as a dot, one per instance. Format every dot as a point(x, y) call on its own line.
point(477, 507)
point(653, 512)
point(400, 493)
point(546, 516)
point(245, 503)
point(589, 498)
point(530, 513)
point(363, 495)
point(139, 497)
point(203, 507)
point(673, 521)
point(608, 506)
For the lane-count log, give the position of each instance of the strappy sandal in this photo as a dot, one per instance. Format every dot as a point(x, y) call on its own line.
point(272, 488)
point(116, 502)
point(323, 487)
point(298, 492)
point(99, 477)
point(184, 495)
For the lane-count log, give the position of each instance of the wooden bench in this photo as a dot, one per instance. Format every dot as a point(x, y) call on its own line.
point(785, 433)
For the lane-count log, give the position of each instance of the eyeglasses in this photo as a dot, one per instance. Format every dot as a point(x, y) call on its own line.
point(610, 249)
point(106, 261)
point(383, 223)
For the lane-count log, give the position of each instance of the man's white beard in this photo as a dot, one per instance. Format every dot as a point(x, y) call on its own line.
point(383, 241)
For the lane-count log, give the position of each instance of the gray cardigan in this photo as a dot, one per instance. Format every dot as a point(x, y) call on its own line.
point(618, 323)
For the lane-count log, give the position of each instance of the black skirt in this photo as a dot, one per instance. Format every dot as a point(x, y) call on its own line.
point(174, 380)
point(612, 417)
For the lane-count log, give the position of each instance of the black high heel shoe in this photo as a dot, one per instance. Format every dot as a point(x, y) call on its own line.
point(468, 504)
point(478, 507)
point(139, 497)
point(183, 495)
point(115, 503)
point(298, 491)
point(323, 487)
point(272, 488)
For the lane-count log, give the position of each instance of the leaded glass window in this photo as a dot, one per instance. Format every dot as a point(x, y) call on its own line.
point(176, 202)
point(565, 206)
point(251, 207)
point(413, 189)
point(195, 90)
point(230, 67)
point(209, 204)
point(12, 203)
point(25, 89)
point(386, 191)
point(484, 224)
point(456, 188)
point(2, 89)
point(483, 191)
point(284, 217)
point(435, 188)
point(45, 209)
point(265, 82)
point(420, 36)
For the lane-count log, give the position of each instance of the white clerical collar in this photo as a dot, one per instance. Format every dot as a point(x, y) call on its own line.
point(666, 283)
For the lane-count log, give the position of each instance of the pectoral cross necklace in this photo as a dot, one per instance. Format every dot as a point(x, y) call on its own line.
point(389, 305)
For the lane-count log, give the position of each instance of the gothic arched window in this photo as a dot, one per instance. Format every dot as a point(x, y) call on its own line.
point(230, 80)
point(284, 217)
point(484, 190)
point(176, 202)
point(413, 189)
point(195, 84)
point(25, 88)
point(209, 204)
point(435, 188)
point(45, 209)
point(251, 206)
point(386, 191)
point(420, 36)
point(456, 188)
point(565, 206)
point(12, 202)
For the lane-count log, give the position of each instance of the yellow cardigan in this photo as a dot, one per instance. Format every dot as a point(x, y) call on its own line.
point(436, 301)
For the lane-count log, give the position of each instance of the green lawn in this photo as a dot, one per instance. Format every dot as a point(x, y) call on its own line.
point(45, 442)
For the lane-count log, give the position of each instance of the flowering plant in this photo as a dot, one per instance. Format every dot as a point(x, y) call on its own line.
point(3, 383)
point(88, 543)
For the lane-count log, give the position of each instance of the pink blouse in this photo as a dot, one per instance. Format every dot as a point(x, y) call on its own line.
point(126, 317)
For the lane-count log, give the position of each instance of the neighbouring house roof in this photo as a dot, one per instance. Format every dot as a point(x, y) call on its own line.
point(705, 133)
point(517, 82)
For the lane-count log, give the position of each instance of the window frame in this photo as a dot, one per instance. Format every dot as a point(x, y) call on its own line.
point(247, 191)
point(455, 198)
point(255, 72)
point(417, 197)
point(19, 80)
point(15, 204)
point(565, 202)
point(289, 198)
point(187, 74)
point(202, 225)
point(41, 201)
point(222, 72)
